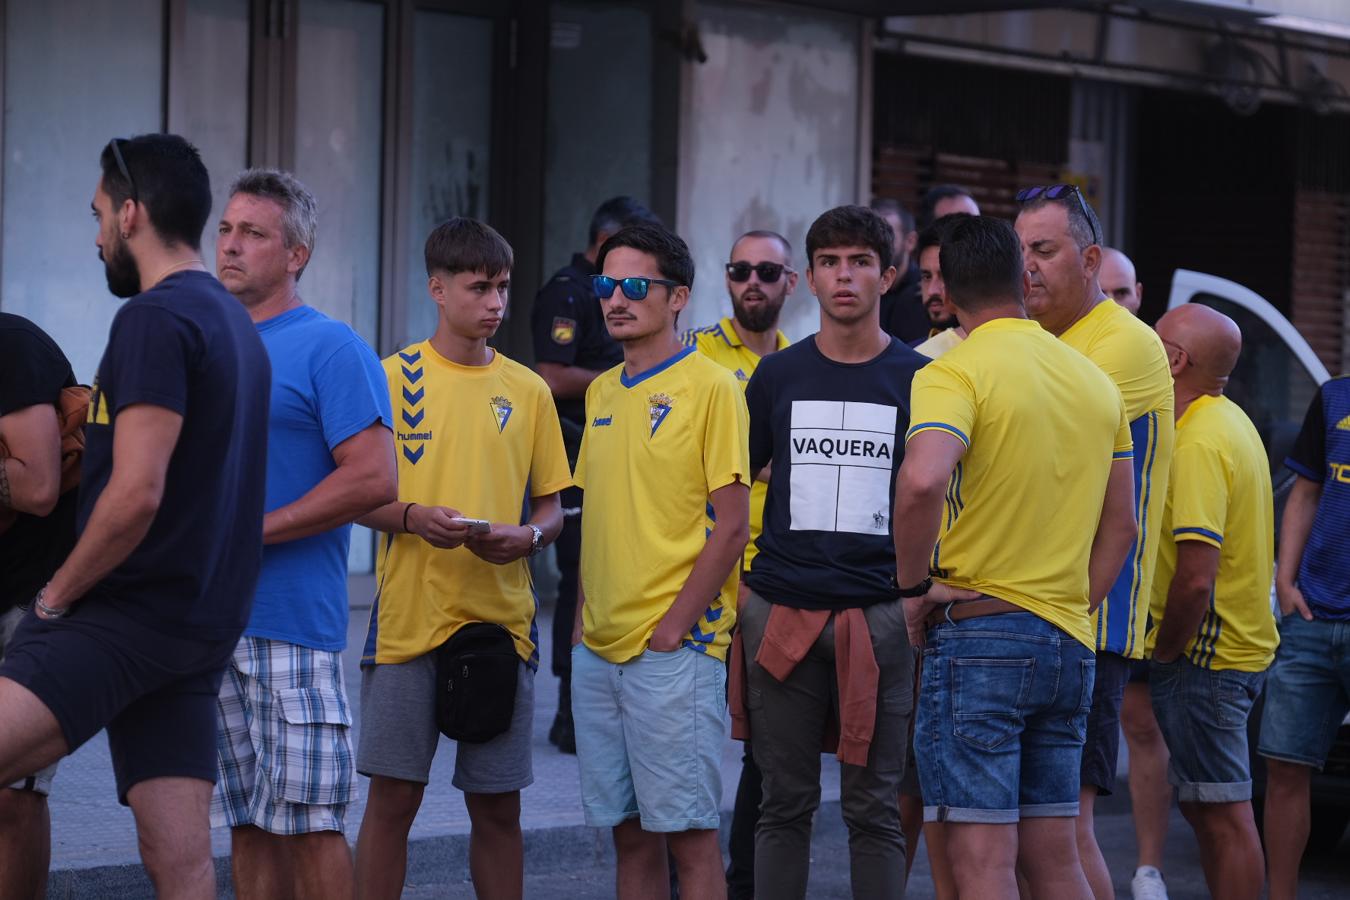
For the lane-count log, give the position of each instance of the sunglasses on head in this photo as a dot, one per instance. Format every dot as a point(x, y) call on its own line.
point(1055, 192)
point(633, 287)
point(768, 272)
point(122, 168)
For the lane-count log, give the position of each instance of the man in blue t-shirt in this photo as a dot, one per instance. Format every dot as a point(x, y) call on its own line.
point(822, 625)
point(1306, 693)
point(286, 769)
point(134, 630)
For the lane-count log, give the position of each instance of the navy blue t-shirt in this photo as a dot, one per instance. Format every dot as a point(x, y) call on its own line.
point(1322, 454)
point(835, 434)
point(187, 345)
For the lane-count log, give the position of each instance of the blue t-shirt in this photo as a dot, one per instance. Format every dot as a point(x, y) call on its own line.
point(327, 385)
point(1322, 454)
point(188, 346)
point(835, 434)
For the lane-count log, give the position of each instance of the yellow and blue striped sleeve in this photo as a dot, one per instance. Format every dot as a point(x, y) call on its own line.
point(1124, 445)
point(1200, 489)
point(941, 399)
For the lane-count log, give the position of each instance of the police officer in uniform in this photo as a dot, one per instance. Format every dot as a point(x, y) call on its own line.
point(571, 347)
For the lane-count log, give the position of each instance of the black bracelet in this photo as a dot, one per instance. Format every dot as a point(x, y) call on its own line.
point(407, 509)
point(919, 590)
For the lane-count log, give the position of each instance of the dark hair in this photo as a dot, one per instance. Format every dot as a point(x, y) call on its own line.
point(467, 245)
point(982, 263)
point(937, 193)
point(671, 252)
point(1084, 226)
point(885, 206)
point(851, 226)
point(169, 181)
point(615, 213)
point(770, 235)
point(934, 234)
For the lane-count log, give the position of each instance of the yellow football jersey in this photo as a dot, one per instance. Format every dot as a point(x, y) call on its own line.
point(1133, 357)
point(1221, 494)
point(1041, 426)
point(475, 439)
point(656, 446)
point(724, 346)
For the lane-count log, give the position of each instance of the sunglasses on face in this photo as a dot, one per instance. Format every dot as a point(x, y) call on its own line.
point(1055, 192)
point(768, 272)
point(633, 287)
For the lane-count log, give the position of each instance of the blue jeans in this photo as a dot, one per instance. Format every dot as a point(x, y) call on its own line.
point(1308, 691)
point(1001, 719)
point(1202, 714)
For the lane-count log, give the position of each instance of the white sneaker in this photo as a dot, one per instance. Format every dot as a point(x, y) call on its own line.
point(1148, 884)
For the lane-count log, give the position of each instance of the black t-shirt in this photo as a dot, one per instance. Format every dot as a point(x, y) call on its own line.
point(569, 329)
point(902, 312)
point(187, 345)
point(835, 434)
point(33, 370)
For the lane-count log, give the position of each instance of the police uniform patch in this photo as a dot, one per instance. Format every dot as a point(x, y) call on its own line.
point(564, 330)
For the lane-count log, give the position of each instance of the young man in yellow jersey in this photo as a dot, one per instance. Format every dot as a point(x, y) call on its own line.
point(665, 470)
point(1061, 245)
point(1008, 667)
point(477, 433)
point(1213, 634)
point(760, 278)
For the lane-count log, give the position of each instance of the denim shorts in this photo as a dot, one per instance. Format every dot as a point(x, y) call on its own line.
point(1203, 714)
point(650, 733)
point(1001, 719)
point(1308, 691)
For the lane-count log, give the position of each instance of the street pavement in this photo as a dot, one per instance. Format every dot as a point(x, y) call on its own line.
point(94, 841)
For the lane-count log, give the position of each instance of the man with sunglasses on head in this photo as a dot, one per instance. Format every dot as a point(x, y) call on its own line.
point(571, 347)
point(1062, 248)
point(823, 632)
point(135, 629)
point(664, 466)
point(759, 279)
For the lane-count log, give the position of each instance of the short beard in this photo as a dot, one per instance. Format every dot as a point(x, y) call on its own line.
point(757, 320)
point(121, 270)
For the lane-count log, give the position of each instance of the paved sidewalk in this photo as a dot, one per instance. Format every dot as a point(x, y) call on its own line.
point(91, 830)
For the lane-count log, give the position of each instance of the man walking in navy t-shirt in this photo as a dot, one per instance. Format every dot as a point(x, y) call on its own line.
point(1306, 694)
point(134, 630)
point(286, 769)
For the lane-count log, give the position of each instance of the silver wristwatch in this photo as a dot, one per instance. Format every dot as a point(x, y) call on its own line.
point(537, 544)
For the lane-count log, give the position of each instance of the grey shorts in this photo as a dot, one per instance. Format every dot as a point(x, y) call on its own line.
point(41, 782)
point(398, 734)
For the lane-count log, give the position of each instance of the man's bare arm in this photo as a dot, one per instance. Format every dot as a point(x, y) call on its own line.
point(1187, 598)
point(30, 472)
point(366, 478)
point(1299, 512)
point(143, 442)
point(566, 382)
point(1116, 530)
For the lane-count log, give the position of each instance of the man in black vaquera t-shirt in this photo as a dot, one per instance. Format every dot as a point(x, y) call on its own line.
point(37, 530)
point(134, 630)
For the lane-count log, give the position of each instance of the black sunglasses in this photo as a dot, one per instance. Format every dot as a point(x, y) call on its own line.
point(1055, 192)
point(122, 167)
point(633, 287)
point(768, 272)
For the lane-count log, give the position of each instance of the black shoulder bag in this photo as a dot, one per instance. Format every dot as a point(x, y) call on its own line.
point(476, 674)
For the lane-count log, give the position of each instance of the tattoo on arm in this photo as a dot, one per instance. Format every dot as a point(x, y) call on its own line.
point(5, 501)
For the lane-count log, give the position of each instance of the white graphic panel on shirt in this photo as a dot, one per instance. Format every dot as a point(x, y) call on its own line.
point(841, 466)
point(414, 411)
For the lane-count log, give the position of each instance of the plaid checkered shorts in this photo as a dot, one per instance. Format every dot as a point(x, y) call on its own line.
point(284, 743)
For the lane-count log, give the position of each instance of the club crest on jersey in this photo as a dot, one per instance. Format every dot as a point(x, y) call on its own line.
point(501, 410)
point(658, 407)
point(564, 330)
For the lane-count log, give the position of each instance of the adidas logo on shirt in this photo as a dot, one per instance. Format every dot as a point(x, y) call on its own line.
point(1343, 424)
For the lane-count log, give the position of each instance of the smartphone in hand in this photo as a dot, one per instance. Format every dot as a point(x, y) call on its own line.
point(475, 526)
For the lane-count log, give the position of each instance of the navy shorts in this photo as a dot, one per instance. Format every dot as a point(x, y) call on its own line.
point(154, 691)
point(1102, 749)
